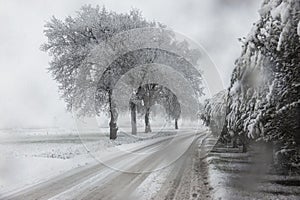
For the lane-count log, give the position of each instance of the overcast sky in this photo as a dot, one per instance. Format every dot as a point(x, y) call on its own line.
point(29, 97)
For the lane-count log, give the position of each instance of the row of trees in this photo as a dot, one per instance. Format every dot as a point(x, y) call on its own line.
point(90, 55)
point(263, 97)
point(147, 96)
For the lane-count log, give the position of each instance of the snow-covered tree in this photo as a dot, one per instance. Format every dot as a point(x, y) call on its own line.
point(213, 113)
point(172, 106)
point(263, 101)
point(71, 41)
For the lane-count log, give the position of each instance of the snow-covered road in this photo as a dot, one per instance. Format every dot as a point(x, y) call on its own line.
point(166, 168)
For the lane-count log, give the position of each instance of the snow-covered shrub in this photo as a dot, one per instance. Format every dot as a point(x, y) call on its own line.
point(213, 113)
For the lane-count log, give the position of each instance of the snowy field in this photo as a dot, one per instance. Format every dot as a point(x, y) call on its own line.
point(30, 156)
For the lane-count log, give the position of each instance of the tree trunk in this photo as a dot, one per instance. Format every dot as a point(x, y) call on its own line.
point(113, 128)
point(269, 151)
point(176, 124)
point(147, 121)
point(244, 149)
point(244, 142)
point(234, 143)
point(133, 118)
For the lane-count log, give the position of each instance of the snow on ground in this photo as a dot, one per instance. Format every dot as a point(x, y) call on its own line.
point(31, 156)
point(236, 176)
point(151, 186)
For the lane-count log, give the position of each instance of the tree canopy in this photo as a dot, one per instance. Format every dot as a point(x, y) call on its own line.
point(71, 41)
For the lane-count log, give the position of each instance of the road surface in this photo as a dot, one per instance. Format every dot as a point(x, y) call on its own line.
point(174, 161)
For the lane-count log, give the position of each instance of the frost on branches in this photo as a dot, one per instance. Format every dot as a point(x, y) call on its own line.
point(263, 101)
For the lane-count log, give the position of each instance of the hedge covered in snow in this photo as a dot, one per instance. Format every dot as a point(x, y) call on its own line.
point(263, 98)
